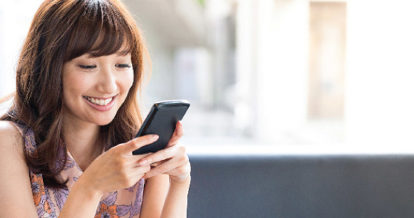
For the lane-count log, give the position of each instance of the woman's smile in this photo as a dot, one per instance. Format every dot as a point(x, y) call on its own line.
point(95, 94)
point(100, 104)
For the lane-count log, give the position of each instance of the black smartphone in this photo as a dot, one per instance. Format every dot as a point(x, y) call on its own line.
point(161, 120)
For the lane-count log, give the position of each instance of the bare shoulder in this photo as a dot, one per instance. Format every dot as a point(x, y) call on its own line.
point(11, 148)
point(15, 187)
point(10, 139)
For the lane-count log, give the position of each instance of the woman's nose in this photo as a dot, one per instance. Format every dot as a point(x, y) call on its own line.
point(107, 81)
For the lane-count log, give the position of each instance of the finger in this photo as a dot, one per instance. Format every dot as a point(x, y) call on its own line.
point(165, 167)
point(179, 129)
point(178, 133)
point(178, 165)
point(140, 169)
point(173, 141)
point(155, 164)
point(139, 172)
point(158, 156)
point(158, 163)
point(132, 160)
point(136, 143)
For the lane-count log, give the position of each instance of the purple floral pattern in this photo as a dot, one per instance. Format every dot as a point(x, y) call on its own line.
point(136, 207)
point(49, 201)
point(60, 196)
point(123, 210)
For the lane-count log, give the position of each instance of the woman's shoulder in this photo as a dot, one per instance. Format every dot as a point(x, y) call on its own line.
point(11, 139)
point(15, 184)
point(9, 128)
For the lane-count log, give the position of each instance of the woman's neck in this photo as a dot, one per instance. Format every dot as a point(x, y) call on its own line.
point(81, 140)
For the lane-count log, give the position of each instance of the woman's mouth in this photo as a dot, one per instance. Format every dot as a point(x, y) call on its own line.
point(100, 104)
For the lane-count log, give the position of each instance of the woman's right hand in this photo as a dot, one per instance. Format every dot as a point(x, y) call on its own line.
point(117, 168)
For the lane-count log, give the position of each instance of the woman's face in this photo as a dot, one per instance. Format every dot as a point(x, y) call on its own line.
point(94, 88)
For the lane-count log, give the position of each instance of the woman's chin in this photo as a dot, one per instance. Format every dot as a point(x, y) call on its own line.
point(103, 121)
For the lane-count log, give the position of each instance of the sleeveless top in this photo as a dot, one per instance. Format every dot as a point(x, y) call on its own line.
point(49, 201)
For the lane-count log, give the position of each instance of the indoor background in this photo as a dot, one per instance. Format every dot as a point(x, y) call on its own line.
point(269, 75)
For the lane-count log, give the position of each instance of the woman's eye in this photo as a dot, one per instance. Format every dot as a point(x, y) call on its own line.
point(123, 65)
point(87, 66)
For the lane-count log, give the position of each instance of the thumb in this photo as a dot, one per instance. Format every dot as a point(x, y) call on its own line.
point(136, 143)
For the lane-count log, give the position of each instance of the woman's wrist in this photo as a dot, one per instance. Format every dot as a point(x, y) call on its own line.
point(180, 181)
point(86, 187)
point(82, 200)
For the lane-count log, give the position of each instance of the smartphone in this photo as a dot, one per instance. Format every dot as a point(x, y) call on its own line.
point(161, 120)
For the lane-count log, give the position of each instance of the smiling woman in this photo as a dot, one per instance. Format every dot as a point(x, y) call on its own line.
point(74, 115)
point(81, 29)
point(94, 88)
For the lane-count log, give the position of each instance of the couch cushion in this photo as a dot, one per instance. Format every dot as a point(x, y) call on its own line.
point(302, 186)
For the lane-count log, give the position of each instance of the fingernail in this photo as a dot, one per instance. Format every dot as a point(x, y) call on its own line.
point(155, 137)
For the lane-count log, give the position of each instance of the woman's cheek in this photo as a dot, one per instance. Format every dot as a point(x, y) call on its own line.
point(126, 82)
point(129, 80)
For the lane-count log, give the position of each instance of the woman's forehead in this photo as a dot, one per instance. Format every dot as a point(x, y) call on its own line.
point(104, 46)
point(100, 38)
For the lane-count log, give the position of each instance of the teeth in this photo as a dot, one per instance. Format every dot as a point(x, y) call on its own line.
point(99, 101)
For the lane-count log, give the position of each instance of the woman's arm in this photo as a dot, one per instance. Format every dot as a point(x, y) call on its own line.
point(166, 194)
point(176, 202)
point(15, 189)
point(82, 201)
point(113, 170)
point(155, 193)
point(163, 198)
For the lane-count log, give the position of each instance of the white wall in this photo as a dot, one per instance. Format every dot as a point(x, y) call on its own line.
point(273, 65)
point(380, 75)
point(15, 19)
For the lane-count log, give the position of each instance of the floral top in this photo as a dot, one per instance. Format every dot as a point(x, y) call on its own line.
point(49, 201)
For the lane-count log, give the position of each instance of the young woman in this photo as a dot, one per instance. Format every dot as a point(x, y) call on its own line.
point(66, 143)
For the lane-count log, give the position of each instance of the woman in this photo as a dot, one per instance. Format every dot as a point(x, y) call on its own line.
point(76, 107)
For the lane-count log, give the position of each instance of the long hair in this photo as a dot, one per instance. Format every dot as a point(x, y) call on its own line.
point(61, 31)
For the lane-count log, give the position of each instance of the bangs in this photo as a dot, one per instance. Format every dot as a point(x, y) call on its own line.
point(100, 30)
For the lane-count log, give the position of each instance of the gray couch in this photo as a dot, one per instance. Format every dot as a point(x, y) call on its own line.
point(307, 186)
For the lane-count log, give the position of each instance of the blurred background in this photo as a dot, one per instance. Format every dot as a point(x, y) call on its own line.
point(308, 75)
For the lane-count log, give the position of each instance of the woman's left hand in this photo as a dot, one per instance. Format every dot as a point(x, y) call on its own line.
point(172, 160)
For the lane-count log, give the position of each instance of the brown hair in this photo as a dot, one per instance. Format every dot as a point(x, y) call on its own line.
point(60, 31)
